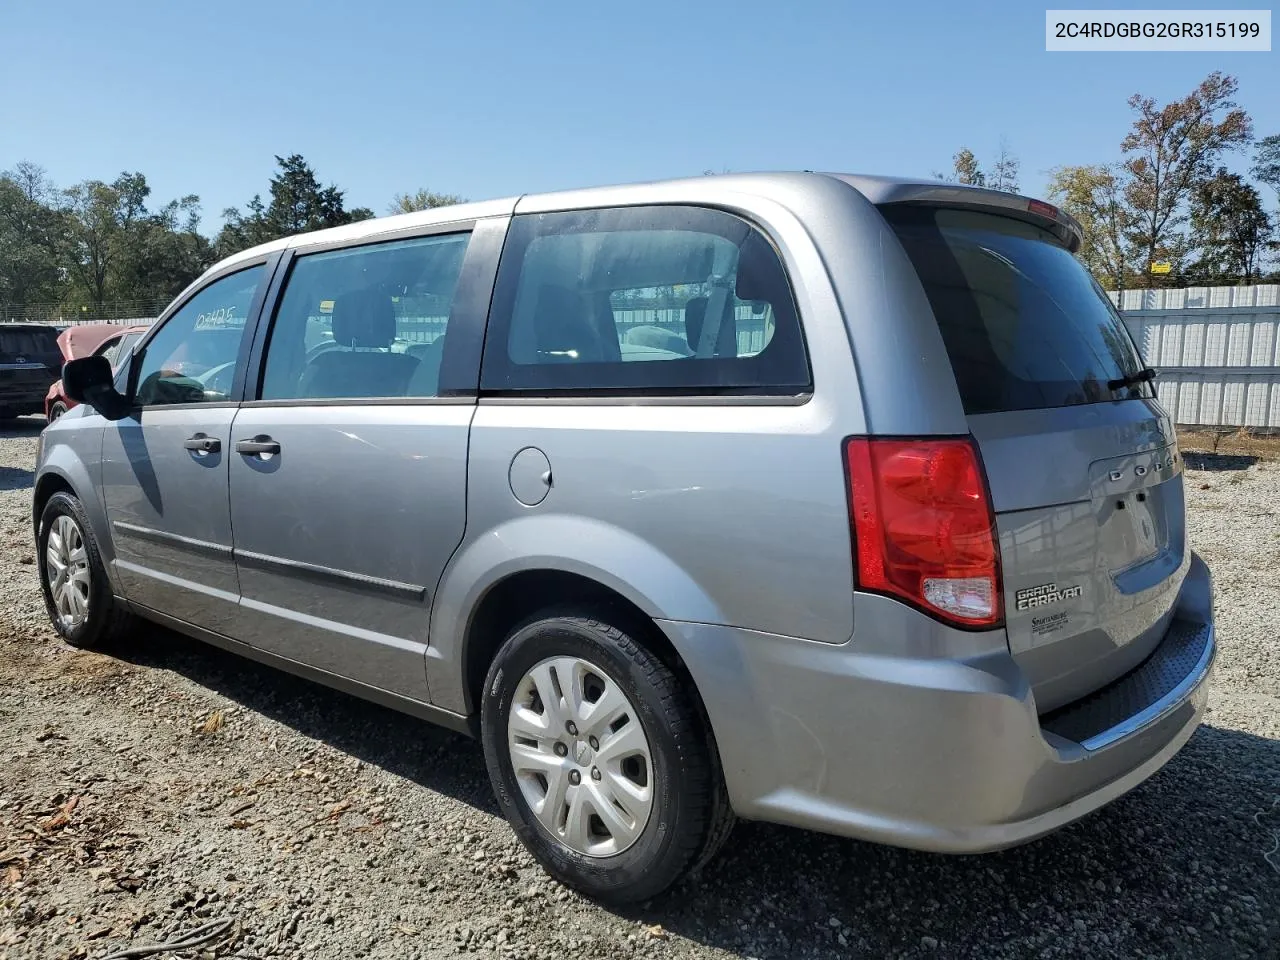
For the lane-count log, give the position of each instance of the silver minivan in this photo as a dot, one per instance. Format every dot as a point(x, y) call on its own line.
point(835, 501)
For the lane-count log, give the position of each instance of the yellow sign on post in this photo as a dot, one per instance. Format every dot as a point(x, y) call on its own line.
point(1162, 266)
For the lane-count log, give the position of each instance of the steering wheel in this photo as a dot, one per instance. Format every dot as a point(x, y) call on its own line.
point(319, 348)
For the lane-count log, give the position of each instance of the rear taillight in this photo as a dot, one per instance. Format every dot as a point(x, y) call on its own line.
point(923, 527)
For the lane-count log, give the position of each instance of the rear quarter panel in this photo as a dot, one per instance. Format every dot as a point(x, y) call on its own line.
point(712, 515)
point(730, 511)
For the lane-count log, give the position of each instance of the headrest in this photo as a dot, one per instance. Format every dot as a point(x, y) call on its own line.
point(364, 318)
point(562, 326)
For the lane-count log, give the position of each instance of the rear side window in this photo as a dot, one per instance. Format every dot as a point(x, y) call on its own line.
point(116, 350)
point(126, 345)
point(110, 350)
point(662, 300)
point(1025, 325)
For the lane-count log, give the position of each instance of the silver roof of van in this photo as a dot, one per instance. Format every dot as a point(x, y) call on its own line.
point(878, 190)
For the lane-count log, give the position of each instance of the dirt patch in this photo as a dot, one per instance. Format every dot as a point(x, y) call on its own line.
point(165, 785)
point(1232, 442)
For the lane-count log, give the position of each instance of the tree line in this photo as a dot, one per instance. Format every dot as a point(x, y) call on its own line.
point(1168, 199)
point(1168, 210)
point(96, 249)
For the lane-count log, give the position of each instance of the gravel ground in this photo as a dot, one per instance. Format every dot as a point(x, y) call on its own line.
point(168, 784)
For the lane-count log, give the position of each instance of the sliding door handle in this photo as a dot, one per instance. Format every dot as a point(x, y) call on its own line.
point(260, 445)
point(203, 443)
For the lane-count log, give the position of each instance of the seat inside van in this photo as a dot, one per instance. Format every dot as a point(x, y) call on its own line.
point(425, 381)
point(361, 363)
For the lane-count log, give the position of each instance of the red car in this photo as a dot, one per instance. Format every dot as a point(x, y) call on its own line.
point(110, 340)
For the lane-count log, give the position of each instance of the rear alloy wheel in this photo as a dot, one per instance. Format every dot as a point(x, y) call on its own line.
point(57, 410)
point(580, 756)
point(77, 596)
point(600, 758)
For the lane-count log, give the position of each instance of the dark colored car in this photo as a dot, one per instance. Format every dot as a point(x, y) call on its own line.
point(29, 362)
point(110, 340)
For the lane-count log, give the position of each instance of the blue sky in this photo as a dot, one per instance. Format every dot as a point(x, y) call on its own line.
point(487, 99)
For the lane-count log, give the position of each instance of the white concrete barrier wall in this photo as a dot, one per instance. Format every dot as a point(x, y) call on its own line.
point(1217, 350)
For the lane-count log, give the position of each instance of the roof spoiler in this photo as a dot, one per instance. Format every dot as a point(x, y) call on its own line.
point(883, 191)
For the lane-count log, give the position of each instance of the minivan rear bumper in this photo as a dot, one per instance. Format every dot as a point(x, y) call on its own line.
point(940, 754)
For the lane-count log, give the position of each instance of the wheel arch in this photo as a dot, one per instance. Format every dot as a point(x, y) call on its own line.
point(48, 483)
point(62, 470)
point(507, 574)
point(520, 596)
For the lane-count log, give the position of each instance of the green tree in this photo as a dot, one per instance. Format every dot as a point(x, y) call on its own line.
point(1230, 228)
point(1004, 172)
point(298, 204)
point(1170, 150)
point(29, 230)
point(1266, 162)
point(93, 240)
point(967, 170)
point(114, 248)
point(1094, 195)
point(166, 252)
point(242, 230)
point(422, 200)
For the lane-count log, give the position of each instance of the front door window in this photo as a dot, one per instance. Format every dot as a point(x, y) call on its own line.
point(192, 358)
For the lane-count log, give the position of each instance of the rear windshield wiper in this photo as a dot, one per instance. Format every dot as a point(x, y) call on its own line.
point(1145, 375)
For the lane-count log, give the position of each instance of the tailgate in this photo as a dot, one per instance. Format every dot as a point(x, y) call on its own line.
point(1092, 531)
point(23, 381)
point(1082, 463)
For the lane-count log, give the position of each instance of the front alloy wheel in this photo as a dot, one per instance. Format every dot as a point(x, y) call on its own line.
point(73, 581)
point(67, 572)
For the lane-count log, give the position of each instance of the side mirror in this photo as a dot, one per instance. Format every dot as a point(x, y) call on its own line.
point(90, 380)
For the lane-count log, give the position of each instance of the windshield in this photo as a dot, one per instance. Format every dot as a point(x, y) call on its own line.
point(1025, 325)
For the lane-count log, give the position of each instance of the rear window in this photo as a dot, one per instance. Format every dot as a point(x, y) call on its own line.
point(34, 345)
point(1025, 325)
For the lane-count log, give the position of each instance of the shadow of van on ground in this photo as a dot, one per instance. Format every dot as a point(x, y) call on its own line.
point(1174, 869)
point(15, 478)
point(22, 426)
point(1218, 462)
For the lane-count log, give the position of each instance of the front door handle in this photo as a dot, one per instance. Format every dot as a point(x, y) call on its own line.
point(258, 445)
point(203, 443)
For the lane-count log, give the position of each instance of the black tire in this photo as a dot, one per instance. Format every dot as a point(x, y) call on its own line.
point(57, 410)
point(690, 814)
point(106, 619)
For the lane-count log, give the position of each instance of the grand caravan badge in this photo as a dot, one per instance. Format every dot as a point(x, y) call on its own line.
point(1045, 594)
